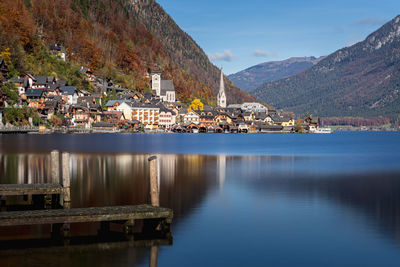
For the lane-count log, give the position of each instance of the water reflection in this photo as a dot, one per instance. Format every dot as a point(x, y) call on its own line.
point(24, 168)
point(187, 180)
point(221, 166)
point(119, 179)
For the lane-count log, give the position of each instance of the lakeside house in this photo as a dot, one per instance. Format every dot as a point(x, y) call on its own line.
point(167, 118)
point(147, 114)
point(69, 93)
point(191, 117)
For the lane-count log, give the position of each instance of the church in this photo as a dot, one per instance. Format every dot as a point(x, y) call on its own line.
point(221, 98)
point(163, 88)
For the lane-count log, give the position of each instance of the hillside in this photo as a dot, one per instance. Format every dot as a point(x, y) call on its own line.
point(109, 37)
point(360, 80)
point(183, 49)
point(251, 78)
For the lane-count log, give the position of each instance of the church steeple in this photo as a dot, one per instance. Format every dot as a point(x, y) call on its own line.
point(221, 98)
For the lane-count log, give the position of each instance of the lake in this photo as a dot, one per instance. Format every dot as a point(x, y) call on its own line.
point(238, 199)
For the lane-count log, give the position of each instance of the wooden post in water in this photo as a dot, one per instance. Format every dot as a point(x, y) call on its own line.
point(154, 194)
point(153, 256)
point(55, 166)
point(66, 178)
point(155, 201)
point(52, 200)
point(65, 228)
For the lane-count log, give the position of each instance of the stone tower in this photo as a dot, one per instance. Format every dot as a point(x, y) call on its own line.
point(221, 98)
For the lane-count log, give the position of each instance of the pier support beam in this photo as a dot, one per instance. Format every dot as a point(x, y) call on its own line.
point(65, 228)
point(3, 203)
point(60, 231)
point(128, 227)
point(153, 256)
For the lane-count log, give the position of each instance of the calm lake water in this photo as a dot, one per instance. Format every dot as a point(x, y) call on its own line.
point(238, 199)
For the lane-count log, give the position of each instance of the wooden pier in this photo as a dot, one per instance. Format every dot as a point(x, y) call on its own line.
point(94, 214)
point(30, 189)
point(155, 218)
point(18, 130)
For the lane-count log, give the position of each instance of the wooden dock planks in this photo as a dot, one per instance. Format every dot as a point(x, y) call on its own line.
point(30, 189)
point(79, 215)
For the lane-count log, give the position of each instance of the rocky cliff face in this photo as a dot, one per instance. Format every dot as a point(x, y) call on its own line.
point(251, 78)
point(360, 80)
point(183, 49)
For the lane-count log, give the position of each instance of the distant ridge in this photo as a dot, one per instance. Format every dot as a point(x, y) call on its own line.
point(253, 77)
point(361, 80)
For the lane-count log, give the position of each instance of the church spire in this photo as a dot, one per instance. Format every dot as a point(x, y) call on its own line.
point(221, 98)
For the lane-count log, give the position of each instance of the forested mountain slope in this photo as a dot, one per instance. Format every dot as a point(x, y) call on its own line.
point(110, 37)
point(360, 80)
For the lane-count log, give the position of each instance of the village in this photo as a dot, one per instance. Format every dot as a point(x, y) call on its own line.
point(55, 106)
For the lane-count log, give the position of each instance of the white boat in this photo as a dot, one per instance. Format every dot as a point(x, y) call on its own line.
point(323, 130)
point(194, 130)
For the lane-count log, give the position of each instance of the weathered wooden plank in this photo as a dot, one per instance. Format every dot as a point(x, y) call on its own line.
point(76, 215)
point(29, 189)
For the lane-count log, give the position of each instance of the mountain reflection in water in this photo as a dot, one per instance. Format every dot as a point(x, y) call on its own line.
point(186, 181)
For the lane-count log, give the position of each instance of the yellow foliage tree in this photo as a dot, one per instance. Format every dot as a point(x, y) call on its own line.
point(196, 105)
point(6, 55)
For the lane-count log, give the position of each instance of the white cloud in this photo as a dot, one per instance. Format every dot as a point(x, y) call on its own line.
point(223, 56)
point(263, 53)
point(370, 21)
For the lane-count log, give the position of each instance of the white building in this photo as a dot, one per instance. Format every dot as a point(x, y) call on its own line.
point(23, 83)
point(255, 107)
point(147, 114)
point(70, 93)
point(221, 98)
point(126, 108)
point(190, 117)
point(163, 88)
point(167, 118)
point(112, 105)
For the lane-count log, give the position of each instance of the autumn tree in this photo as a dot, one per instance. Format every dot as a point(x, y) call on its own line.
point(196, 105)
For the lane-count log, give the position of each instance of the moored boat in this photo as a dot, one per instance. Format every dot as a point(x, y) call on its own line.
point(323, 130)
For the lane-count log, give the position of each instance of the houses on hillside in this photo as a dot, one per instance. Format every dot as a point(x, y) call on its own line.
point(113, 108)
point(58, 51)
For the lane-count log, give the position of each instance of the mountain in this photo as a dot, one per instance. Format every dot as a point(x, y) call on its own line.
point(183, 49)
point(361, 80)
point(118, 39)
point(251, 78)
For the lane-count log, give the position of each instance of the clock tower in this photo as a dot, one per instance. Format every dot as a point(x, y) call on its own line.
point(156, 80)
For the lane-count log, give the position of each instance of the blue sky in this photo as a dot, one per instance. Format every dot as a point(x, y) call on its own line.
point(239, 34)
